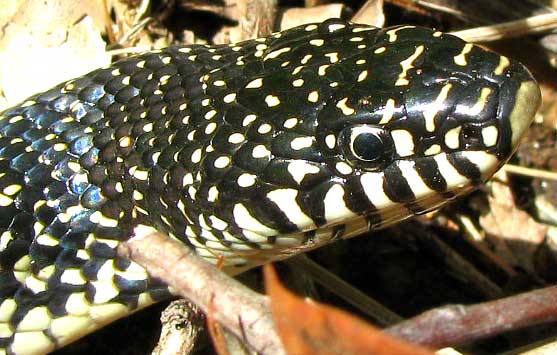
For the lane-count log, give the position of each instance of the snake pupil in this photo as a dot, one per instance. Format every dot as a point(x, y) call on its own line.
point(367, 146)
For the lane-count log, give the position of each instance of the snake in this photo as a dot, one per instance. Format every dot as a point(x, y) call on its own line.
point(247, 153)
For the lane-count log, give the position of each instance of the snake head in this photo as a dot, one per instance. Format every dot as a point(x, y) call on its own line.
point(427, 118)
point(354, 125)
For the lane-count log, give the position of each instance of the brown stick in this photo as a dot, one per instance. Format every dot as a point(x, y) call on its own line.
point(243, 311)
point(182, 321)
point(452, 325)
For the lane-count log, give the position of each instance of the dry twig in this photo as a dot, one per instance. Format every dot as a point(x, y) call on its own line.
point(243, 311)
point(182, 322)
point(451, 325)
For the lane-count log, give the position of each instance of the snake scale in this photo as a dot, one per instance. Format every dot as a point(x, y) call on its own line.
point(248, 152)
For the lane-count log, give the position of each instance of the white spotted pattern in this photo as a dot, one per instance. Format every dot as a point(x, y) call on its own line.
point(246, 152)
point(298, 169)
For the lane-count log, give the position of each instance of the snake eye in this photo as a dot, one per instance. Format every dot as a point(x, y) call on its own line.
point(367, 146)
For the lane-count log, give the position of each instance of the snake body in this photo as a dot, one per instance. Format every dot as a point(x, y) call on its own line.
point(248, 152)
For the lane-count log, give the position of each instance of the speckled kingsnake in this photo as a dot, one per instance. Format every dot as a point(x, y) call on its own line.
point(252, 151)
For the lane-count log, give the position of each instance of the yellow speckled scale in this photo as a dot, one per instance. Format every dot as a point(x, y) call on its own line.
point(249, 153)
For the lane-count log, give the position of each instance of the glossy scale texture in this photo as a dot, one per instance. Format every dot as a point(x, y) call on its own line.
point(252, 152)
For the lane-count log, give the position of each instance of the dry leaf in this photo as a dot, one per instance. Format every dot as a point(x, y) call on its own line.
point(517, 228)
point(307, 327)
point(43, 44)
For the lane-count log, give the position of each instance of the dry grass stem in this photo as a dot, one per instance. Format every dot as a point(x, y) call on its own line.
point(529, 25)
